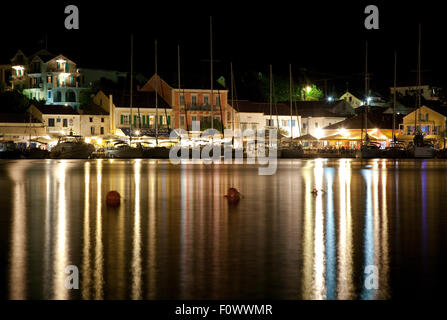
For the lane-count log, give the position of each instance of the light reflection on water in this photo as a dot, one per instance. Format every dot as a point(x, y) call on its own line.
point(175, 236)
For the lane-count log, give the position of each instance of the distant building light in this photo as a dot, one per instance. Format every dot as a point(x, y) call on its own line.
point(330, 99)
point(319, 133)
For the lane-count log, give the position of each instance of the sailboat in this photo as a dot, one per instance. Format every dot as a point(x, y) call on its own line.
point(122, 149)
point(369, 149)
point(291, 149)
point(420, 147)
point(71, 147)
point(156, 152)
point(34, 152)
point(396, 149)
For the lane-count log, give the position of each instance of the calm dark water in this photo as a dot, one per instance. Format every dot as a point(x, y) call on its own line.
point(176, 237)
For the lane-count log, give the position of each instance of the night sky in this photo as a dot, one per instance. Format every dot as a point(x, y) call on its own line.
point(322, 39)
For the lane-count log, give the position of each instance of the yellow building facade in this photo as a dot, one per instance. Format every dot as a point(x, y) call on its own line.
point(430, 121)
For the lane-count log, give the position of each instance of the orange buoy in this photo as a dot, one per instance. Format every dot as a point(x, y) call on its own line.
point(233, 195)
point(113, 199)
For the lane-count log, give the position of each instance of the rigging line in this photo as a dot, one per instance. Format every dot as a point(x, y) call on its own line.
point(276, 106)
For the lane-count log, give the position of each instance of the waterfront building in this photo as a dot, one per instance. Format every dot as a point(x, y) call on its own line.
point(43, 76)
point(58, 120)
point(351, 99)
point(193, 104)
point(348, 133)
point(431, 121)
point(315, 115)
point(20, 128)
point(410, 88)
point(94, 121)
point(142, 116)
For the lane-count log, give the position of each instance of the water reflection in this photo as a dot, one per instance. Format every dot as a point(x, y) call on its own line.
point(175, 235)
point(18, 263)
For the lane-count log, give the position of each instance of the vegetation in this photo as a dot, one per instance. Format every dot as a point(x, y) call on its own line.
point(14, 102)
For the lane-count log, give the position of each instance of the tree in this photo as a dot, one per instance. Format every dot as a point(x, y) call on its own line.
point(14, 102)
point(311, 93)
point(86, 97)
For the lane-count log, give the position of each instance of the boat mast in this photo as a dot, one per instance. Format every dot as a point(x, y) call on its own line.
point(290, 94)
point(419, 78)
point(131, 86)
point(179, 87)
point(271, 118)
point(156, 96)
point(29, 131)
point(232, 96)
point(394, 95)
point(211, 71)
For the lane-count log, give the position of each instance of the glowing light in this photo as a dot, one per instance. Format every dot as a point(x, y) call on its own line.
point(343, 132)
point(330, 99)
point(18, 67)
point(368, 99)
point(319, 133)
point(308, 89)
point(88, 140)
point(137, 132)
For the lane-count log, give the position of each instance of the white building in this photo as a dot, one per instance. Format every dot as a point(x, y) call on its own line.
point(351, 99)
point(94, 121)
point(20, 128)
point(142, 116)
point(58, 119)
point(427, 92)
point(47, 77)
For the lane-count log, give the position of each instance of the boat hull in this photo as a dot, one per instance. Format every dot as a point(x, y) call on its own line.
point(72, 151)
point(424, 152)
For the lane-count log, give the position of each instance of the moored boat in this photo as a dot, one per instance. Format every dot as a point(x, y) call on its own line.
point(369, 151)
point(71, 147)
point(121, 149)
point(9, 150)
point(395, 150)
